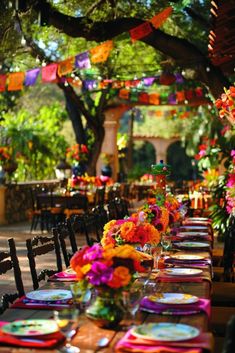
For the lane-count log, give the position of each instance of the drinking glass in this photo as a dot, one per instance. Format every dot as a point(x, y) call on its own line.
point(131, 300)
point(67, 321)
point(166, 242)
point(81, 296)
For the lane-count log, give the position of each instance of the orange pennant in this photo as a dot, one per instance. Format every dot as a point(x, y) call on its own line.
point(140, 31)
point(124, 93)
point(65, 66)
point(100, 53)
point(154, 98)
point(143, 98)
point(15, 81)
point(3, 79)
point(180, 96)
point(160, 18)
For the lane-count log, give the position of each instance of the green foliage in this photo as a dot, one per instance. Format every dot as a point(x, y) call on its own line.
point(36, 141)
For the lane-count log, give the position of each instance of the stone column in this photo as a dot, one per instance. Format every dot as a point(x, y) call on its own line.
point(111, 125)
point(2, 205)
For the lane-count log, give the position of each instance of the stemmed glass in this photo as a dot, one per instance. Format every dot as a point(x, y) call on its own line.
point(67, 321)
point(165, 242)
point(81, 296)
point(131, 300)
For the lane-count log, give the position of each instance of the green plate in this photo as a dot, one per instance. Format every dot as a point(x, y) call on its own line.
point(35, 327)
point(163, 331)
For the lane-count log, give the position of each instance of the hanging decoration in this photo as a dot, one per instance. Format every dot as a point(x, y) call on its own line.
point(15, 81)
point(65, 67)
point(160, 18)
point(31, 77)
point(140, 31)
point(3, 79)
point(49, 72)
point(101, 53)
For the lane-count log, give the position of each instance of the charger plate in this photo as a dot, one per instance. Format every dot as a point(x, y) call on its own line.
point(182, 271)
point(173, 298)
point(187, 257)
point(34, 327)
point(50, 294)
point(163, 331)
point(192, 244)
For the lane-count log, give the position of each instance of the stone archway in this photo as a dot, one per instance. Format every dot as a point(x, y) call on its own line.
point(160, 144)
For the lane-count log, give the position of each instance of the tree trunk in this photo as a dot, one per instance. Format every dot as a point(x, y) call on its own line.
point(99, 138)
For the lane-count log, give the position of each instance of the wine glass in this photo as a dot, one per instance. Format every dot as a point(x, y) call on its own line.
point(165, 242)
point(67, 322)
point(81, 296)
point(131, 300)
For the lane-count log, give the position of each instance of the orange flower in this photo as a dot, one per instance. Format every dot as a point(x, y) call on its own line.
point(128, 231)
point(121, 277)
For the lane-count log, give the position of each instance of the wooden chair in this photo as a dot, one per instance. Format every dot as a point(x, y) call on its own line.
point(9, 261)
point(38, 246)
point(86, 226)
point(99, 196)
point(76, 204)
point(66, 235)
point(121, 207)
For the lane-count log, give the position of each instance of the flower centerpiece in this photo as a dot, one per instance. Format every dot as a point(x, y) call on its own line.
point(109, 271)
point(226, 104)
point(133, 230)
point(230, 187)
point(77, 155)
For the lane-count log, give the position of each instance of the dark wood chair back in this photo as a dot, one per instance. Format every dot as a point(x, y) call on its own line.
point(99, 196)
point(78, 201)
point(121, 207)
point(67, 240)
point(9, 262)
point(38, 246)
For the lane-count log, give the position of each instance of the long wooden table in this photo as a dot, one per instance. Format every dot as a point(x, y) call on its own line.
point(88, 335)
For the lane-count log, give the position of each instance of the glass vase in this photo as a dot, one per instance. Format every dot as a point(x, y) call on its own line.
point(106, 310)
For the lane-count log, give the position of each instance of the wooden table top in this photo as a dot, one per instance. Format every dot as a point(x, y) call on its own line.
point(88, 335)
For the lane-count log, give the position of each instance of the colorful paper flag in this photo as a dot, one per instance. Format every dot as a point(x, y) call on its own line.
point(148, 81)
point(117, 84)
point(154, 98)
point(65, 66)
point(15, 81)
point(101, 52)
point(140, 31)
point(144, 98)
point(3, 79)
point(134, 96)
point(124, 93)
point(90, 84)
point(160, 18)
point(172, 98)
point(49, 72)
point(180, 96)
point(189, 94)
point(82, 61)
point(31, 77)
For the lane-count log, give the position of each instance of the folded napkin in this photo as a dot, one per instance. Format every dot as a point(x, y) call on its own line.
point(63, 277)
point(26, 303)
point(162, 277)
point(130, 343)
point(176, 309)
point(44, 341)
point(194, 263)
point(194, 248)
point(196, 237)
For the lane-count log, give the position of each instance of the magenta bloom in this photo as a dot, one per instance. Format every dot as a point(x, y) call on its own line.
point(231, 180)
point(93, 253)
point(99, 274)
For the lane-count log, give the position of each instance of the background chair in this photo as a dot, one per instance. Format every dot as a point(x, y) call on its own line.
point(66, 235)
point(76, 204)
point(9, 261)
point(42, 245)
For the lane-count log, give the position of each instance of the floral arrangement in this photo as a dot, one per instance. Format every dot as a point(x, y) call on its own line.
point(226, 104)
point(133, 230)
point(107, 268)
point(161, 216)
point(77, 153)
point(5, 154)
point(147, 178)
point(230, 188)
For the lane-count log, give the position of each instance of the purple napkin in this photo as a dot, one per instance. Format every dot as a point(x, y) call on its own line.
point(194, 263)
point(176, 309)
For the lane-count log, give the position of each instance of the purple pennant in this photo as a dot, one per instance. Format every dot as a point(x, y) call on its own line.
point(82, 61)
point(31, 77)
point(172, 98)
point(179, 78)
point(148, 81)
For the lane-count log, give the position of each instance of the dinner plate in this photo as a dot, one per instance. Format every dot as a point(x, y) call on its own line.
point(35, 327)
point(49, 294)
point(187, 257)
point(183, 271)
point(190, 234)
point(192, 244)
point(197, 219)
point(173, 298)
point(194, 227)
point(163, 331)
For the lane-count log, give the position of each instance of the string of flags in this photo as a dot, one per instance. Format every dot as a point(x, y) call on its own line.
point(54, 72)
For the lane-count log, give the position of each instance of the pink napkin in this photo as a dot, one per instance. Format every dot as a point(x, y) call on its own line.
point(63, 277)
point(130, 343)
point(44, 341)
point(177, 309)
point(26, 303)
point(165, 277)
